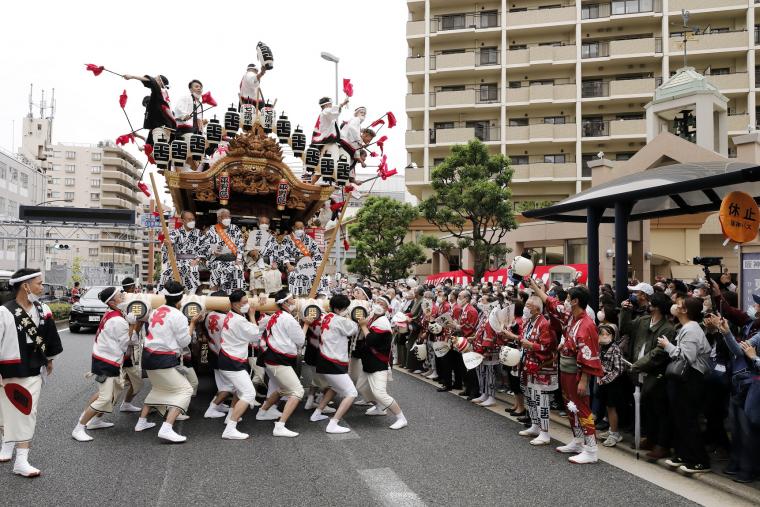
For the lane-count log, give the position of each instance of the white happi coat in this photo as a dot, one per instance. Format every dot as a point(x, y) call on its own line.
point(228, 276)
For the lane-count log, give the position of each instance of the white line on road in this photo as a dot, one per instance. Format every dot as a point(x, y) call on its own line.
point(388, 489)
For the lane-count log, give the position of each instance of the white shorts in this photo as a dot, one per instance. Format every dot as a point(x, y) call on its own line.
point(341, 384)
point(242, 384)
point(108, 391)
point(283, 379)
point(374, 387)
point(221, 383)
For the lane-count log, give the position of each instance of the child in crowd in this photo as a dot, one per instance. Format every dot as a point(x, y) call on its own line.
point(611, 390)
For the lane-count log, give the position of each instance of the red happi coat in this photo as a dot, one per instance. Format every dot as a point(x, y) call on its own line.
point(579, 339)
point(486, 341)
point(468, 320)
point(541, 358)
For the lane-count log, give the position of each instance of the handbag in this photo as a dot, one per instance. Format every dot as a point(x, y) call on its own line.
point(677, 368)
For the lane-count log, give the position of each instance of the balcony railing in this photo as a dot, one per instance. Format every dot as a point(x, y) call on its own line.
point(462, 134)
point(465, 21)
point(595, 89)
point(477, 58)
point(621, 47)
point(466, 97)
point(632, 127)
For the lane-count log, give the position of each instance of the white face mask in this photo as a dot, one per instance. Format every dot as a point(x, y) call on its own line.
point(122, 306)
point(752, 312)
point(600, 316)
point(190, 224)
point(674, 310)
point(245, 308)
point(439, 300)
point(378, 310)
point(32, 297)
point(526, 313)
point(605, 339)
point(568, 306)
point(298, 233)
point(668, 292)
point(263, 227)
point(226, 222)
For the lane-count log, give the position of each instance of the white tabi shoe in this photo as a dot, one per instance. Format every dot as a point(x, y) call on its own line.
point(361, 402)
point(433, 377)
point(334, 427)
point(267, 415)
point(79, 434)
point(183, 417)
point(223, 408)
point(488, 402)
point(97, 423)
point(542, 439)
point(401, 422)
point(479, 399)
point(574, 447)
point(375, 411)
point(533, 431)
point(588, 455)
point(22, 467)
point(143, 424)
point(6, 451)
point(281, 431)
point(213, 412)
point(128, 407)
point(328, 410)
point(309, 403)
point(231, 433)
point(317, 416)
point(167, 433)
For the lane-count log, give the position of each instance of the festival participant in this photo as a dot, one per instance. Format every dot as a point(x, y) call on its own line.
point(466, 322)
point(578, 361)
point(257, 240)
point(190, 248)
point(213, 322)
point(159, 120)
point(131, 367)
point(309, 366)
point(108, 352)
point(540, 369)
point(376, 352)
point(332, 363)
point(168, 334)
point(305, 261)
point(189, 112)
point(238, 332)
point(29, 342)
point(283, 337)
point(326, 130)
point(250, 86)
point(224, 244)
point(487, 342)
point(353, 137)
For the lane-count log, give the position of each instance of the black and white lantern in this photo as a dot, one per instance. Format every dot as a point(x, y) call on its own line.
point(161, 154)
point(312, 159)
point(268, 115)
point(248, 114)
point(327, 168)
point(213, 133)
point(179, 152)
point(264, 54)
point(197, 147)
point(343, 171)
point(298, 142)
point(283, 129)
point(231, 121)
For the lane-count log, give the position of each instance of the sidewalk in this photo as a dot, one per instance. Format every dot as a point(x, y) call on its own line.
point(745, 492)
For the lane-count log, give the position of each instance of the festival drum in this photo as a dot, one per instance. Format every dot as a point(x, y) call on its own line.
point(472, 360)
point(440, 349)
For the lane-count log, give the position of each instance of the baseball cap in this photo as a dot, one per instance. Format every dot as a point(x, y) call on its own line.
point(642, 287)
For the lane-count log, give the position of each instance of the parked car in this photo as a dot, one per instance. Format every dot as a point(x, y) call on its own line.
point(88, 311)
point(6, 293)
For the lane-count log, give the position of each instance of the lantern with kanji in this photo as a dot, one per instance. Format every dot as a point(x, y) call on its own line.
point(283, 189)
point(197, 147)
point(224, 187)
point(213, 133)
point(231, 121)
point(264, 54)
point(298, 142)
point(267, 118)
point(739, 217)
point(161, 154)
point(283, 129)
point(311, 160)
point(179, 153)
point(248, 114)
point(327, 168)
point(343, 171)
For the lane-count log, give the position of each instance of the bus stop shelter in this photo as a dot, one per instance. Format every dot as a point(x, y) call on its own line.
point(666, 191)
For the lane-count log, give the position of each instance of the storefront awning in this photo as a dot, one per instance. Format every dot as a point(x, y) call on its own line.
point(459, 277)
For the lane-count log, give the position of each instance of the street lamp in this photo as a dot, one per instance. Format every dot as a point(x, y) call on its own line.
point(332, 58)
point(26, 232)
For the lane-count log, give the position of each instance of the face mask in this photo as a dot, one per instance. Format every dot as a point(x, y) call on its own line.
point(32, 297)
point(526, 313)
point(245, 308)
point(600, 316)
point(674, 310)
point(605, 339)
point(697, 293)
point(568, 306)
point(752, 312)
point(440, 300)
point(226, 222)
point(298, 233)
point(190, 224)
point(668, 292)
point(263, 227)
point(481, 307)
point(378, 310)
point(122, 307)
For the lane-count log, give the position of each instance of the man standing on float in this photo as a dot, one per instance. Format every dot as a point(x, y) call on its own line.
point(224, 243)
point(190, 247)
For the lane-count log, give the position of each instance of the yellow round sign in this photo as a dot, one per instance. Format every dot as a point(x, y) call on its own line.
point(739, 217)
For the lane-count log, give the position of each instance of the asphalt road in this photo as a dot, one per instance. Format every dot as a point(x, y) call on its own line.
point(452, 453)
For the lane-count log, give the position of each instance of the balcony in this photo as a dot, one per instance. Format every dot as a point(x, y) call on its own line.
point(541, 54)
point(614, 128)
point(114, 176)
point(414, 175)
point(415, 29)
point(541, 132)
point(415, 138)
point(707, 42)
point(735, 81)
point(115, 202)
point(695, 5)
point(541, 17)
point(738, 123)
point(466, 21)
point(463, 135)
point(415, 101)
point(542, 93)
point(618, 88)
point(621, 48)
point(464, 60)
point(469, 97)
point(415, 64)
point(543, 171)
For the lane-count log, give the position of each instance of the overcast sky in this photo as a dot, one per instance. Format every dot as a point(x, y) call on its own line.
point(47, 43)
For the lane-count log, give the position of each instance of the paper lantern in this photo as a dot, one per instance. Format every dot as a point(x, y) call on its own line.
point(231, 121)
point(311, 160)
point(265, 56)
point(327, 168)
point(283, 189)
point(179, 152)
point(161, 154)
point(298, 142)
point(197, 147)
point(248, 114)
point(283, 129)
point(224, 186)
point(268, 115)
point(343, 171)
point(738, 216)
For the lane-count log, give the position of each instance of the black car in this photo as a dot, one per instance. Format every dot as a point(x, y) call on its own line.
point(88, 311)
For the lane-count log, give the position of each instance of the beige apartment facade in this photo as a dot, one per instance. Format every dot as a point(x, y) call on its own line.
point(554, 85)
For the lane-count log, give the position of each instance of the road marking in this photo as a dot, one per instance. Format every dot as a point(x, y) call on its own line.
point(388, 489)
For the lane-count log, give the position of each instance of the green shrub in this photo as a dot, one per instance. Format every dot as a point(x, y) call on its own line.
point(60, 310)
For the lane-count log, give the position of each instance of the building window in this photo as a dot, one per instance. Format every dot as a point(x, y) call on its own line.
point(585, 169)
point(12, 209)
point(630, 116)
point(624, 156)
point(3, 170)
point(438, 161)
point(54, 195)
point(554, 159)
point(452, 88)
point(14, 175)
point(554, 120)
point(518, 122)
point(541, 82)
point(56, 167)
point(453, 22)
point(489, 19)
point(93, 252)
point(71, 168)
point(71, 155)
point(95, 183)
point(69, 182)
point(631, 6)
point(489, 56)
point(93, 237)
point(2, 205)
point(517, 47)
point(720, 72)
point(518, 159)
point(489, 92)
point(439, 125)
point(515, 84)
point(96, 157)
point(69, 196)
point(95, 196)
point(24, 180)
point(95, 169)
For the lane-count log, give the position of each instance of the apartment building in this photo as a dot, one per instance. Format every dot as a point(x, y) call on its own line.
point(554, 83)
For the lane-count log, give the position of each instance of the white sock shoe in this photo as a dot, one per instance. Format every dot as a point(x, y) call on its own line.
point(543, 438)
point(281, 431)
point(588, 455)
point(213, 412)
point(6, 451)
point(143, 424)
point(267, 415)
point(167, 433)
point(309, 403)
point(79, 434)
point(401, 422)
point(533, 431)
point(183, 417)
point(317, 416)
point(97, 423)
point(223, 408)
point(128, 407)
point(574, 447)
point(231, 432)
point(479, 399)
point(334, 427)
point(488, 402)
point(328, 410)
point(375, 411)
point(22, 467)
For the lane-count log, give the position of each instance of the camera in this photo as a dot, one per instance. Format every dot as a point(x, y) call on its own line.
point(708, 261)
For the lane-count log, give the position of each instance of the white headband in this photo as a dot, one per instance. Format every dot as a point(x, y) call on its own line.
point(14, 281)
point(112, 295)
point(127, 284)
point(281, 301)
point(166, 293)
